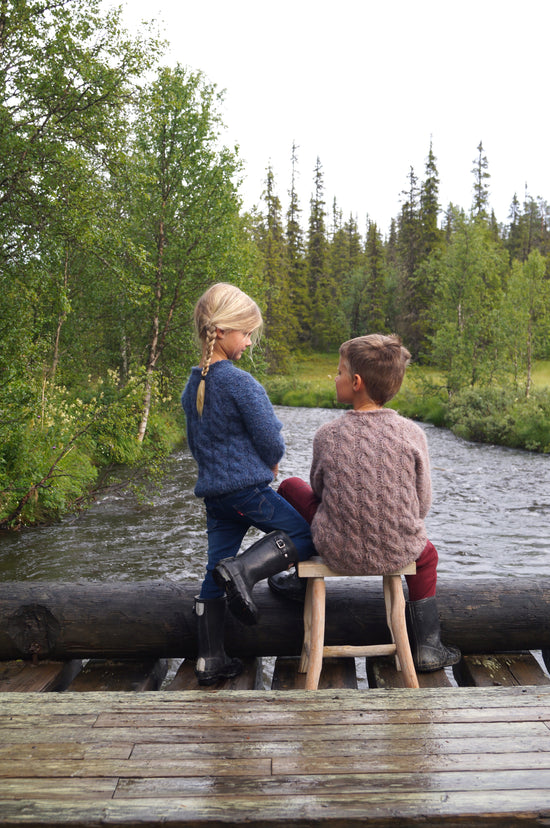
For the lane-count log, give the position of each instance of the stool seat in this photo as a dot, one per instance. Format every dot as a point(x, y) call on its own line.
point(314, 649)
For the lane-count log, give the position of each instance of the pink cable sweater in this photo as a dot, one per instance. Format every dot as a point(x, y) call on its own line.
point(371, 470)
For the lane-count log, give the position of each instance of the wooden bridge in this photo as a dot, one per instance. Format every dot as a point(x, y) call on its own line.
point(88, 738)
point(377, 756)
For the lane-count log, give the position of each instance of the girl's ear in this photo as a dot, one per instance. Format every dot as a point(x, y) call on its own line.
point(219, 333)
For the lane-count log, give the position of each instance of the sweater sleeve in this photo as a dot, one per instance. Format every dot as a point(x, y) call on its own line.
point(316, 474)
point(258, 417)
point(423, 475)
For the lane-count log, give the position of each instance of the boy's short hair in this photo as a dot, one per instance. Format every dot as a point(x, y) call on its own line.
point(380, 361)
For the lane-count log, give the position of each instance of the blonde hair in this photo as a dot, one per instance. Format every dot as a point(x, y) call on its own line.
point(227, 308)
point(380, 361)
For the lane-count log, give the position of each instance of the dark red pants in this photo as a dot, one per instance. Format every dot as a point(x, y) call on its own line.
point(422, 585)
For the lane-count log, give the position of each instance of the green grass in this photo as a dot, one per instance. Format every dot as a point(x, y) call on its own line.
point(541, 374)
point(310, 381)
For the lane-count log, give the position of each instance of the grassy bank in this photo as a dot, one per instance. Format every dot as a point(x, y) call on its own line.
point(488, 415)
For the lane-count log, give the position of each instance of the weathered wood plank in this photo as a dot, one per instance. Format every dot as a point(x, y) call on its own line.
point(340, 747)
point(51, 749)
point(120, 675)
point(500, 670)
point(468, 809)
point(423, 702)
point(249, 679)
point(198, 766)
point(422, 764)
point(56, 789)
point(26, 677)
point(191, 733)
point(358, 783)
point(336, 673)
point(277, 719)
point(382, 674)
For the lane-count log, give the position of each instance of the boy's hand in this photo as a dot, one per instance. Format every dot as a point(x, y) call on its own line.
point(275, 470)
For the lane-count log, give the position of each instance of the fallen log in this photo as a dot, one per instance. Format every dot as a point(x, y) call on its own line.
point(155, 618)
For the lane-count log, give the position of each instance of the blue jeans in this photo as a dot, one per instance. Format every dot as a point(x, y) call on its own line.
point(229, 516)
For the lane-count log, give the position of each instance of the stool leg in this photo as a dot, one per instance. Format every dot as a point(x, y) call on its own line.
point(318, 590)
point(308, 609)
point(398, 627)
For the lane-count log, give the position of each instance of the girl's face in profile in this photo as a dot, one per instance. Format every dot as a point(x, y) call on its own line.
point(232, 344)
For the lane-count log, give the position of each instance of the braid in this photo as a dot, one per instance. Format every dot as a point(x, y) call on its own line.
point(210, 340)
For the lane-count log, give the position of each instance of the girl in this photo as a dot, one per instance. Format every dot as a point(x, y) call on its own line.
point(236, 439)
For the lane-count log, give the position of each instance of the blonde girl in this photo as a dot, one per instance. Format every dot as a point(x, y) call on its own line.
point(236, 440)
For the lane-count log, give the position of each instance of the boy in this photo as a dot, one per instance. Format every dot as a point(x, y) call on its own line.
point(371, 489)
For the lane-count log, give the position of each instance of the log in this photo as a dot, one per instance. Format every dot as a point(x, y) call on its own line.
point(155, 618)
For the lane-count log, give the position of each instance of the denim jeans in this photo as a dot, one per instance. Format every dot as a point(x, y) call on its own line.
point(229, 516)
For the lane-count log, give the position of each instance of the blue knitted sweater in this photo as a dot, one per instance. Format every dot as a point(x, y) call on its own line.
point(238, 439)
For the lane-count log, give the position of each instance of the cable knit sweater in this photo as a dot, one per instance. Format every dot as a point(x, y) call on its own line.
point(238, 439)
point(371, 471)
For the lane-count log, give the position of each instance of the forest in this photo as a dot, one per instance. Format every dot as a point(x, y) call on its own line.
point(120, 204)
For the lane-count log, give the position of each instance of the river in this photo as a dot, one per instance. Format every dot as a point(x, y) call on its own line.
point(489, 517)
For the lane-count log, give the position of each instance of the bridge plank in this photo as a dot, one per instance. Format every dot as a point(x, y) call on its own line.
point(25, 677)
point(137, 675)
point(249, 679)
point(336, 673)
point(500, 670)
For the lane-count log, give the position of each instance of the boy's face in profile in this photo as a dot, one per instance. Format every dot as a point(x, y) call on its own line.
point(343, 382)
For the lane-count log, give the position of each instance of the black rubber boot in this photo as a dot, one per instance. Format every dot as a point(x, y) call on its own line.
point(289, 585)
point(428, 651)
point(271, 554)
point(213, 663)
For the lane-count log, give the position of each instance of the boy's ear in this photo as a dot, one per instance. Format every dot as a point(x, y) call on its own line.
point(357, 382)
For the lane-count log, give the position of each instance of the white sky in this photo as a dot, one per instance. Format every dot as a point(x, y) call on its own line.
point(365, 84)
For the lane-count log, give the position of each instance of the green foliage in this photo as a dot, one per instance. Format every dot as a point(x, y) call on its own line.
point(424, 407)
point(495, 415)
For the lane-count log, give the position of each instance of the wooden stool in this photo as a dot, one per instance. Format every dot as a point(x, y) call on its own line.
point(314, 650)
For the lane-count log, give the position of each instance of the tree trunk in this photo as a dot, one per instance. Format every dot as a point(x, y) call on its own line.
point(155, 618)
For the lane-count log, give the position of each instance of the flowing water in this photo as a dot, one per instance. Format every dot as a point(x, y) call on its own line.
point(489, 517)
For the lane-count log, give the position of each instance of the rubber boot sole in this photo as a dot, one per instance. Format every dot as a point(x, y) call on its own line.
point(231, 669)
point(242, 609)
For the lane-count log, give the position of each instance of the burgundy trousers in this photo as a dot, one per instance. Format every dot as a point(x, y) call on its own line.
point(422, 585)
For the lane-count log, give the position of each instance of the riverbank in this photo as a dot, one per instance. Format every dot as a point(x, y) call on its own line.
point(497, 415)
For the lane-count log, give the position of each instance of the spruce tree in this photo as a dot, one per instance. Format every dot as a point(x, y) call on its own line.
point(278, 312)
point(429, 207)
point(481, 185)
point(299, 296)
point(375, 287)
point(317, 262)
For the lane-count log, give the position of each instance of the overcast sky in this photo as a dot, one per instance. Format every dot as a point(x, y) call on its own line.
point(365, 85)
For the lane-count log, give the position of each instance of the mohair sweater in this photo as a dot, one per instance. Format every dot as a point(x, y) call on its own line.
point(238, 439)
point(371, 471)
